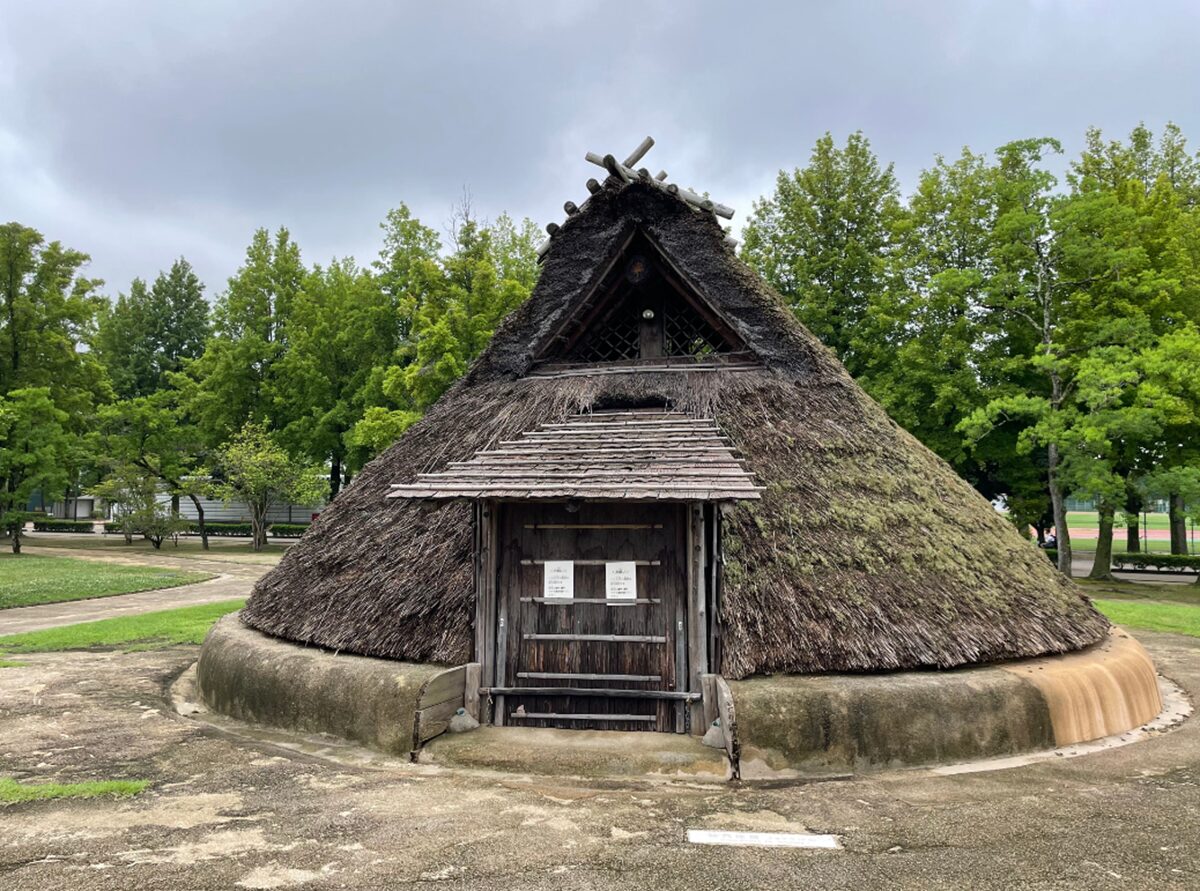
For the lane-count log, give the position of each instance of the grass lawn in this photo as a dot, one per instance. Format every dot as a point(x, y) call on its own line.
point(28, 579)
point(1176, 618)
point(221, 549)
point(1173, 608)
point(146, 631)
point(12, 792)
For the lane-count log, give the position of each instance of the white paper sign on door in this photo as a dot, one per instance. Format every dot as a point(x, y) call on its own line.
point(620, 580)
point(558, 579)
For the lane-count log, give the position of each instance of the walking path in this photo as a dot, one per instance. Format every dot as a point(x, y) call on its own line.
point(233, 580)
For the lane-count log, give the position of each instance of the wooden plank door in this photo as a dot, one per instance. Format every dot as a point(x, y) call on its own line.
point(592, 642)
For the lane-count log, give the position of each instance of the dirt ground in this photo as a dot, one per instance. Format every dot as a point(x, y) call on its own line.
point(232, 810)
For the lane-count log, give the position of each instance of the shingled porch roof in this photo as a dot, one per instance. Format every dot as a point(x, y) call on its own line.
point(602, 456)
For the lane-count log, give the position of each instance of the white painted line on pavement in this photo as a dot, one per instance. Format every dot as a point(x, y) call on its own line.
point(762, 839)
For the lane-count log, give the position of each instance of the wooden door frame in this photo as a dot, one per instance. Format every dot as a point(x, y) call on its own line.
point(697, 629)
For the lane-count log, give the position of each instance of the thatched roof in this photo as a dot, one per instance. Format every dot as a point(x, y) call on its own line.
point(865, 552)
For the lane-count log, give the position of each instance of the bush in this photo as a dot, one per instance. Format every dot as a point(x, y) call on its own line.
point(1158, 562)
point(287, 530)
point(64, 526)
point(219, 529)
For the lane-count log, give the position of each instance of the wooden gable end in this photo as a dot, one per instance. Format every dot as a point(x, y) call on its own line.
point(643, 310)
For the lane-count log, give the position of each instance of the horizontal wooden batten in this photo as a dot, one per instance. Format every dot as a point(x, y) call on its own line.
point(568, 601)
point(593, 526)
point(600, 638)
point(605, 692)
point(576, 676)
point(594, 562)
point(559, 716)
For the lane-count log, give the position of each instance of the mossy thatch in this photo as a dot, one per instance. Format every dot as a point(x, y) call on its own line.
point(866, 552)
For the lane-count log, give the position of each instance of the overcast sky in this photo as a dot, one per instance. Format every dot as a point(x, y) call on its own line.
point(141, 131)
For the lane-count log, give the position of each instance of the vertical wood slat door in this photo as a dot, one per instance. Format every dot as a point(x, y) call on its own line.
point(561, 643)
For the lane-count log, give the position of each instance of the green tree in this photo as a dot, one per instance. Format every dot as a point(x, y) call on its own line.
point(149, 334)
point(259, 473)
point(342, 327)
point(34, 449)
point(824, 240)
point(124, 343)
point(48, 312)
point(153, 436)
point(235, 380)
point(456, 303)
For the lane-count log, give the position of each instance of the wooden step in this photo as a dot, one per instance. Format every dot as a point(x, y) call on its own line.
point(607, 693)
point(577, 676)
point(556, 716)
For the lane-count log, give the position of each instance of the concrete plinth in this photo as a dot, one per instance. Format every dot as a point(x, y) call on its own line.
point(247, 675)
point(838, 723)
point(809, 725)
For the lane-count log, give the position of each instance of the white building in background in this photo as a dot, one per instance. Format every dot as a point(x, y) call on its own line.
point(217, 511)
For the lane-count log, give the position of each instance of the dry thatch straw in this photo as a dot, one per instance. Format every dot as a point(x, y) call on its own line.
point(866, 552)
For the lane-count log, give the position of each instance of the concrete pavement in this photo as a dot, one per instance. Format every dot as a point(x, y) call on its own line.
point(240, 808)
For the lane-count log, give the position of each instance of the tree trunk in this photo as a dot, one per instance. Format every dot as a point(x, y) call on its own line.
point(1059, 505)
point(1102, 565)
point(16, 537)
point(200, 521)
point(258, 525)
point(1133, 524)
point(1178, 522)
point(335, 476)
point(175, 505)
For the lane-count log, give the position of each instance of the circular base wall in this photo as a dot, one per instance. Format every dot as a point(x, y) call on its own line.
point(785, 725)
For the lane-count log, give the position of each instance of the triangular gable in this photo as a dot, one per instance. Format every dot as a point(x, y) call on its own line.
point(642, 308)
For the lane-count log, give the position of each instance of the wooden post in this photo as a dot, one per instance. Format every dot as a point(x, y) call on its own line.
point(697, 609)
point(471, 690)
point(500, 609)
point(485, 596)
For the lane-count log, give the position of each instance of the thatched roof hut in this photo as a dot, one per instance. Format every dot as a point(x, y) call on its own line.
point(865, 552)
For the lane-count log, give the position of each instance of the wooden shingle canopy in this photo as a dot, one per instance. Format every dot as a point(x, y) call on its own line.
point(648, 455)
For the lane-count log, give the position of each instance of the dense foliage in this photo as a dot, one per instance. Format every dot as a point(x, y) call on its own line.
point(1043, 340)
point(294, 370)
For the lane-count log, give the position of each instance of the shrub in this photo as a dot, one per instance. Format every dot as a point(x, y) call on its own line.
point(64, 526)
point(1168, 562)
point(287, 530)
point(226, 529)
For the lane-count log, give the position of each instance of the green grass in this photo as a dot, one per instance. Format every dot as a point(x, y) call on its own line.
point(220, 549)
point(11, 663)
point(28, 579)
point(1176, 618)
point(145, 631)
point(12, 792)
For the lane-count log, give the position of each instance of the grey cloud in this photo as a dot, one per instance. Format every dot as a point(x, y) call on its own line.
point(139, 132)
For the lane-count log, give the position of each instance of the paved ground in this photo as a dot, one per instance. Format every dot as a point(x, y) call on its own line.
point(234, 579)
point(229, 811)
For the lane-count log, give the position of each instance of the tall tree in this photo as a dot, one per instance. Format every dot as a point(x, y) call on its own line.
point(125, 343)
point(34, 450)
point(235, 380)
point(48, 312)
point(457, 303)
point(154, 436)
point(342, 326)
point(823, 240)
